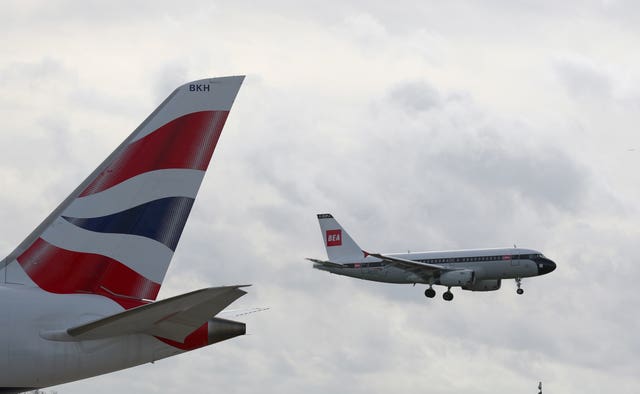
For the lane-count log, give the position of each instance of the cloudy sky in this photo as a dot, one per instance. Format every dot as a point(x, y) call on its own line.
point(421, 125)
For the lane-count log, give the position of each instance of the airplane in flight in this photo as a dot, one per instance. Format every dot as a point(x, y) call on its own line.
point(474, 270)
point(77, 296)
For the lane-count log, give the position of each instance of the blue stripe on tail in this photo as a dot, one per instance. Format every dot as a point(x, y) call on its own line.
point(162, 220)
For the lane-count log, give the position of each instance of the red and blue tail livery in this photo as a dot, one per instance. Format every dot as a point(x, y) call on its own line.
point(104, 252)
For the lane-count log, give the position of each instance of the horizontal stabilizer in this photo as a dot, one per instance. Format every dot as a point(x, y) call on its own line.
point(173, 318)
point(326, 263)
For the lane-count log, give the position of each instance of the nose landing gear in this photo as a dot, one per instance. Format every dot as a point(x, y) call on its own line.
point(518, 284)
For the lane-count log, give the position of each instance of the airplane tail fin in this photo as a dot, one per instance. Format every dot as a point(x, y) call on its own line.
point(116, 233)
point(340, 246)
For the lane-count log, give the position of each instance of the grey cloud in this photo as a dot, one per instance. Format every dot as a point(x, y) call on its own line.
point(67, 13)
point(89, 99)
point(169, 76)
point(32, 73)
point(584, 81)
point(540, 175)
point(457, 166)
point(415, 96)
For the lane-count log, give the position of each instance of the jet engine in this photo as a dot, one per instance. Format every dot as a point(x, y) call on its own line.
point(457, 278)
point(484, 285)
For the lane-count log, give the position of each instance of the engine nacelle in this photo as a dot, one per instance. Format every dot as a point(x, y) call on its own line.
point(484, 285)
point(457, 278)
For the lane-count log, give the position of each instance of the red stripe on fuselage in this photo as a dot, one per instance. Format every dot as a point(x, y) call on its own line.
point(187, 142)
point(66, 272)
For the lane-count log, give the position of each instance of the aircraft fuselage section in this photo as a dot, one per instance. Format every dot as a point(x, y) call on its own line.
point(486, 264)
point(27, 314)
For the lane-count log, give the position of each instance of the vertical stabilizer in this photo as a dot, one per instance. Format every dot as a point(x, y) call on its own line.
point(116, 233)
point(340, 246)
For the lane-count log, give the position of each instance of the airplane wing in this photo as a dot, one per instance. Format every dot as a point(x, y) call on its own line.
point(409, 265)
point(326, 263)
point(172, 318)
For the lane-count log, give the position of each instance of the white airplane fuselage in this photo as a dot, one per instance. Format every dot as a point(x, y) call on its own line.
point(487, 264)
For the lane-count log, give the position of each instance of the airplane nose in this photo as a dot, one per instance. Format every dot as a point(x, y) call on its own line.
point(545, 266)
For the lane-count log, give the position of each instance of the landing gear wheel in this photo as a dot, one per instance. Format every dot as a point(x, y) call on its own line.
point(447, 295)
point(518, 284)
point(430, 293)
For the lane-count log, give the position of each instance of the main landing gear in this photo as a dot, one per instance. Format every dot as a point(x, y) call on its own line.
point(447, 295)
point(519, 283)
point(430, 293)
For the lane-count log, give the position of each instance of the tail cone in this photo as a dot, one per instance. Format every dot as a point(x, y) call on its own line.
point(222, 329)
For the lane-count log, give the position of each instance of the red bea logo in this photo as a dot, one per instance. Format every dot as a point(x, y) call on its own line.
point(334, 237)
